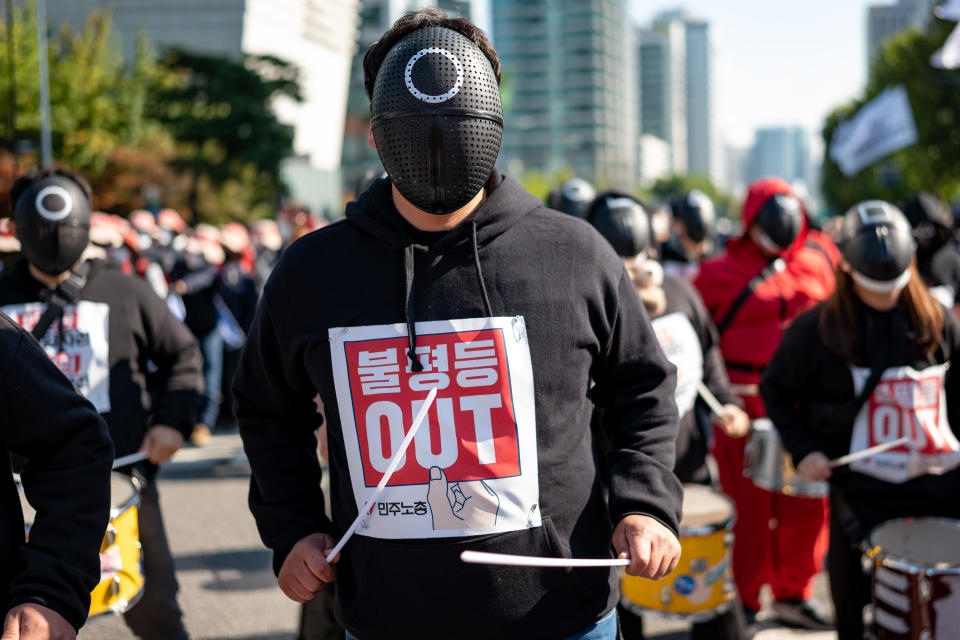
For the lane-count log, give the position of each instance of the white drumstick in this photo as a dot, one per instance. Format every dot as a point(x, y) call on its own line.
point(710, 399)
point(866, 453)
point(482, 557)
point(394, 461)
point(133, 458)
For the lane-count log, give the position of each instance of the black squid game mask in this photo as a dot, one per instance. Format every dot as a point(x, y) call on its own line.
point(437, 119)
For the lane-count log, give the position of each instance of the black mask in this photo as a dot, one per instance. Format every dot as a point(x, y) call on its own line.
point(53, 223)
point(696, 212)
point(781, 218)
point(437, 119)
point(623, 222)
point(877, 240)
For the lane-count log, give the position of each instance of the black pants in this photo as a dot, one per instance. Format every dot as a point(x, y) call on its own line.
point(157, 615)
point(317, 620)
point(849, 585)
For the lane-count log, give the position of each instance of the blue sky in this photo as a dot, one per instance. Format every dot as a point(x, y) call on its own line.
point(779, 62)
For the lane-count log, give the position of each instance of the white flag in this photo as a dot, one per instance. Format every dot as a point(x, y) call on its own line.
point(948, 57)
point(881, 127)
point(949, 10)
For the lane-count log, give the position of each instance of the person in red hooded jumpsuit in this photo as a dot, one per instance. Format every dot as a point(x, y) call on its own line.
point(780, 540)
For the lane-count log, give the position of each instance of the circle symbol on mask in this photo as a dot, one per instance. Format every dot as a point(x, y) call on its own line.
point(424, 97)
point(54, 203)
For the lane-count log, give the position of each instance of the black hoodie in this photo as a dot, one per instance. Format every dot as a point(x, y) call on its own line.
point(546, 307)
point(66, 478)
point(152, 367)
point(809, 394)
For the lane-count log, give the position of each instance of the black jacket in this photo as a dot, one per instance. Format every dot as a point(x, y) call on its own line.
point(694, 435)
point(66, 445)
point(575, 307)
point(154, 362)
point(809, 395)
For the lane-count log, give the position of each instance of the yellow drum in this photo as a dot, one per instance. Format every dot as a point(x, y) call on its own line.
point(121, 574)
point(701, 587)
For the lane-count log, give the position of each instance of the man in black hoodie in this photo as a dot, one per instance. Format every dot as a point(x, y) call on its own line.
point(450, 276)
point(120, 346)
point(45, 585)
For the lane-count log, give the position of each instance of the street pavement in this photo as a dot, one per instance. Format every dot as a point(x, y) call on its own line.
point(227, 587)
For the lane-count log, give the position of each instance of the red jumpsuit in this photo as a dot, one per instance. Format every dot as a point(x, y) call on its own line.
point(780, 540)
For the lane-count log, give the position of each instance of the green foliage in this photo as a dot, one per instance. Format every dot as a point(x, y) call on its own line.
point(219, 112)
point(96, 102)
point(933, 163)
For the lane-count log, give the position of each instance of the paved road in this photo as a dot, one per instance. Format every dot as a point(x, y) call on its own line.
point(228, 591)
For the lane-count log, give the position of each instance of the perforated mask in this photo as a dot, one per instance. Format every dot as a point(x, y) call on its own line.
point(53, 223)
point(437, 119)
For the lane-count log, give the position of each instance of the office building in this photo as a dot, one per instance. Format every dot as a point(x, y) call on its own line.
point(319, 36)
point(677, 92)
point(887, 20)
point(781, 152)
point(568, 103)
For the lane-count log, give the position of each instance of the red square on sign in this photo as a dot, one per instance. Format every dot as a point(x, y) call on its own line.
point(470, 431)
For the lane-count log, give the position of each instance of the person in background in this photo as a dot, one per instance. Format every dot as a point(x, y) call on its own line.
point(686, 332)
point(938, 257)
point(195, 279)
point(572, 197)
point(863, 350)
point(693, 227)
point(238, 293)
point(118, 343)
point(763, 280)
point(268, 243)
point(45, 583)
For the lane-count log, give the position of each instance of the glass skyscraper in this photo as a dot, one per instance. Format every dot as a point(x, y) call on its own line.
point(569, 87)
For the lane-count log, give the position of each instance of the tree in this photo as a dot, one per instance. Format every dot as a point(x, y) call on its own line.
point(933, 163)
point(96, 102)
point(228, 138)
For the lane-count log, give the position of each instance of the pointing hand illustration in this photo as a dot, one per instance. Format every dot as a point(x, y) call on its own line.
point(461, 505)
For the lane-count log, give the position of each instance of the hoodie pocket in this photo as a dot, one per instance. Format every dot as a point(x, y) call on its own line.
point(389, 588)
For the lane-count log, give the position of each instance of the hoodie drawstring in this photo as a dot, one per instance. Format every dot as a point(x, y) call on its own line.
point(476, 264)
point(408, 312)
point(409, 254)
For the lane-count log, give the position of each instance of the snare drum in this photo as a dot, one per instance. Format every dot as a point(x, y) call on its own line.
point(701, 587)
point(121, 574)
point(770, 467)
point(915, 564)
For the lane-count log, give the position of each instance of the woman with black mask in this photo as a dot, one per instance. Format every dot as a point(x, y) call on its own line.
point(870, 365)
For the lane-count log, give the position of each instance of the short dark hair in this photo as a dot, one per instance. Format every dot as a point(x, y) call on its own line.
point(34, 174)
point(414, 21)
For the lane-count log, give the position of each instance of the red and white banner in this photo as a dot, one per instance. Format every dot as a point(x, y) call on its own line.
point(906, 403)
point(472, 467)
point(81, 351)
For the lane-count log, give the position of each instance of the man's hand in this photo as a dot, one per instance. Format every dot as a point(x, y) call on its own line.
point(734, 421)
point(653, 550)
point(35, 622)
point(161, 442)
point(305, 570)
point(814, 467)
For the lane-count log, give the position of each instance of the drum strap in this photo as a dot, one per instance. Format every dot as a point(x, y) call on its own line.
point(68, 292)
point(768, 270)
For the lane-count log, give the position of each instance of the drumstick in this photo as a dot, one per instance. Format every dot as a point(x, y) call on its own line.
point(482, 557)
point(715, 407)
point(866, 453)
point(386, 476)
point(125, 461)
